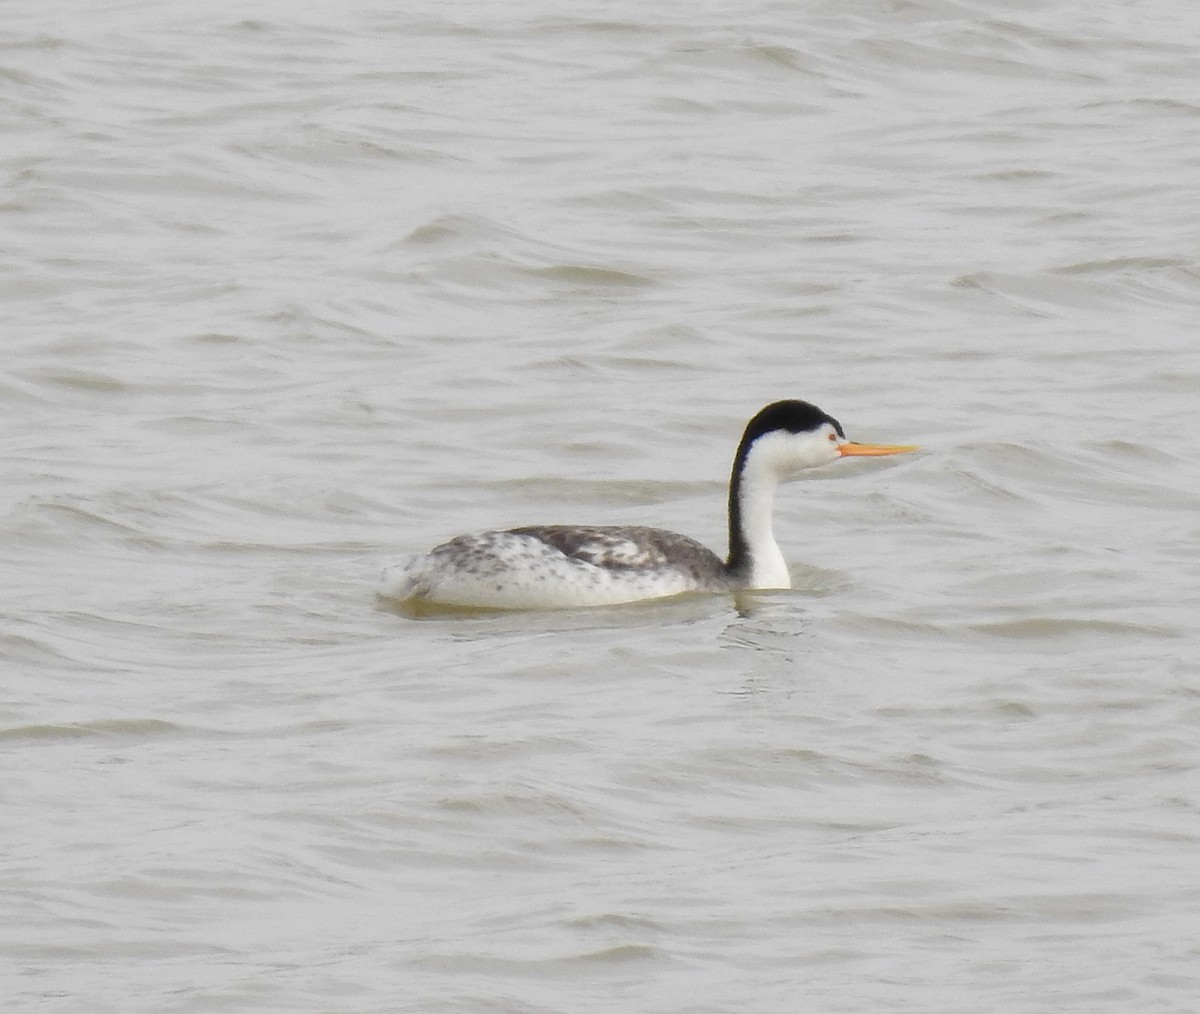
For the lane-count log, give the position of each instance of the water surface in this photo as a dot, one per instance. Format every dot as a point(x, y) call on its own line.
point(291, 292)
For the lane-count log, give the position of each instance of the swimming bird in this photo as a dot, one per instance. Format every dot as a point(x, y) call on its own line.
point(565, 566)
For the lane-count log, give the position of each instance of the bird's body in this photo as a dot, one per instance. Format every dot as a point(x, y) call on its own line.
point(565, 566)
point(561, 566)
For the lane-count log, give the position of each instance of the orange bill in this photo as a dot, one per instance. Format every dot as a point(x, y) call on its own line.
point(852, 450)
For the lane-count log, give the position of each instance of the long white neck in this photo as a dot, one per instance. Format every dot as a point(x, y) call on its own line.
point(754, 556)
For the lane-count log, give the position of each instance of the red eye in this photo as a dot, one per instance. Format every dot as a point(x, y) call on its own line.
point(833, 438)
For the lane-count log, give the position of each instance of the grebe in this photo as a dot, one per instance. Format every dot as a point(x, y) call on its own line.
point(565, 566)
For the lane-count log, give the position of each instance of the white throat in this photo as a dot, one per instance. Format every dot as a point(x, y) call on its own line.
point(770, 458)
point(760, 477)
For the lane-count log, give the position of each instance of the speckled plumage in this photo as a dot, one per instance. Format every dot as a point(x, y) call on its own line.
point(558, 566)
point(563, 566)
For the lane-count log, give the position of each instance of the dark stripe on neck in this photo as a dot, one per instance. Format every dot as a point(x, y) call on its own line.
point(792, 416)
point(738, 563)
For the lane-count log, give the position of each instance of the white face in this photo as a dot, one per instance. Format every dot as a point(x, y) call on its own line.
point(787, 453)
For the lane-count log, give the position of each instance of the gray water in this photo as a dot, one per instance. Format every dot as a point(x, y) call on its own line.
point(289, 291)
